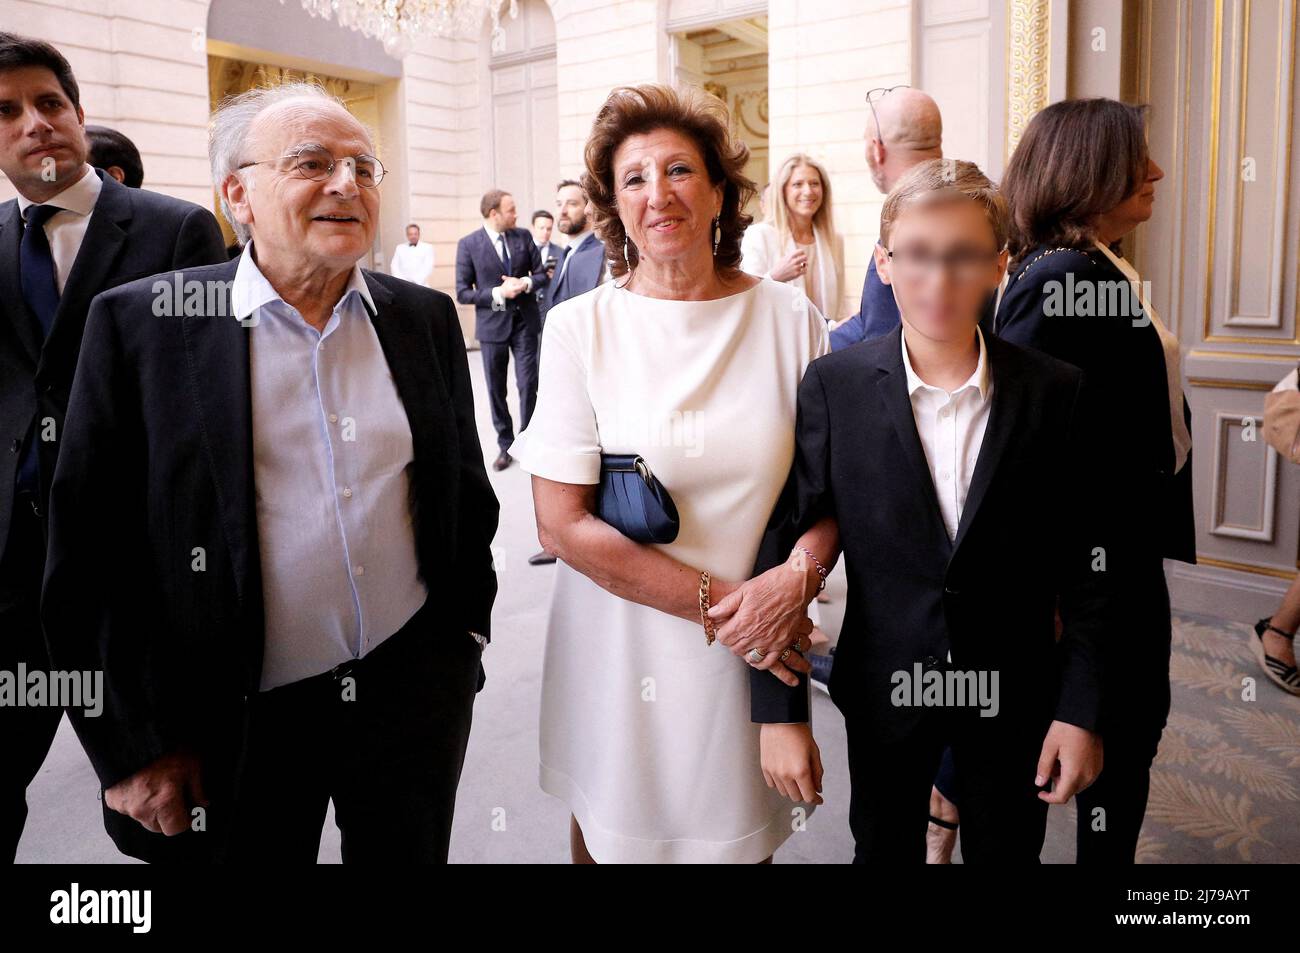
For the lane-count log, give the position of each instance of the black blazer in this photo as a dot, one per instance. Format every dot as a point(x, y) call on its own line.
point(1150, 504)
point(131, 233)
point(158, 464)
point(478, 271)
point(990, 595)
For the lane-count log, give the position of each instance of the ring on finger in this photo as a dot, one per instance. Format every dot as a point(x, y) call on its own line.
point(756, 656)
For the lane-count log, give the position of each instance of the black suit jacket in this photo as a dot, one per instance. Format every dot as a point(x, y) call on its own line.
point(131, 233)
point(583, 272)
point(158, 464)
point(1150, 505)
point(989, 596)
point(478, 271)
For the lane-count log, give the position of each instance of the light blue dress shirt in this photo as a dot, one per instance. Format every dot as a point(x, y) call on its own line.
point(332, 458)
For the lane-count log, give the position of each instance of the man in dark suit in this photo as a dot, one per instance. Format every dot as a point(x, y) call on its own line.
point(906, 128)
point(500, 272)
point(543, 224)
point(271, 526)
point(71, 233)
point(978, 456)
point(583, 265)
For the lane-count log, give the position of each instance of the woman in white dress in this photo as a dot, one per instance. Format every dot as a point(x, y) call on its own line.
point(683, 359)
point(797, 243)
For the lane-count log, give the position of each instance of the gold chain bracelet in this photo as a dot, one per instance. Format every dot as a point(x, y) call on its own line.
point(710, 633)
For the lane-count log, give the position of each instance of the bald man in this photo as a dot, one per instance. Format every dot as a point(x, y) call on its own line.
point(904, 129)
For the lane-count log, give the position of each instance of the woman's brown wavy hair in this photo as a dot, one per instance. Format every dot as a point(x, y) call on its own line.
point(1077, 159)
point(633, 110)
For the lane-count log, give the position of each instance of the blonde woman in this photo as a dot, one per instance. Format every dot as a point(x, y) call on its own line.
point(797, 242)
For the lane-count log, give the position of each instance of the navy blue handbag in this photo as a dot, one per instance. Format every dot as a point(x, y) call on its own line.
point(633, 501)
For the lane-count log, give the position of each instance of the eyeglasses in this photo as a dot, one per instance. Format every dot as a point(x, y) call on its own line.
point(967, 267)
point(318, 165)
point(876, 95)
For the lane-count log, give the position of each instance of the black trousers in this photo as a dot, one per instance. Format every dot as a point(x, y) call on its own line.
point(25, 733)
point(1135, 706)
point(383, 737)
point(496, 360)
point(1002, 818)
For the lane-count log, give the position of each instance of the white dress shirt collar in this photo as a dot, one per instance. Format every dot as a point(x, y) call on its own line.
point(251, 290)
point(79, 197)
point(979, 379)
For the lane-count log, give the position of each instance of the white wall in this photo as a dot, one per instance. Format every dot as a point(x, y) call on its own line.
point(822, 60)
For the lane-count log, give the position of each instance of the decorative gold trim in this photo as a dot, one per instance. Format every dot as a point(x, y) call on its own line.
point(1244, 567)
point(1029, 32)
point(1243, 355)
point(1215, 95)
point(1223, 384)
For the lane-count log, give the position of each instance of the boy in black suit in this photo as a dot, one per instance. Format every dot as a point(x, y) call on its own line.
point(953, 471)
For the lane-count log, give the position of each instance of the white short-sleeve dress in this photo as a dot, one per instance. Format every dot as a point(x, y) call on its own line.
point(645, 729)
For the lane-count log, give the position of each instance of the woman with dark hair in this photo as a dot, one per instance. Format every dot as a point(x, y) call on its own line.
point(693, 365)
point(1079, 181)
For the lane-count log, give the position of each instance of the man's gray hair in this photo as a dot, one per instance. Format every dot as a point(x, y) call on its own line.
point(229, 130)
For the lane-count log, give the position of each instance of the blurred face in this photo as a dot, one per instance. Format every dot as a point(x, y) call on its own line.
point(329, 221)
point(665, 199)
point(570, 211)
point(944, 266)
point(803, 193)
point(504, 215)
point(413, 235)
point(42, 135)
point(542, 229)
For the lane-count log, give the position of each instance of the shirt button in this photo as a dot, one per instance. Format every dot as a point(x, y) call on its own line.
point(347, 493)
point(945, 476)
point(334, 418)
point(359, 571)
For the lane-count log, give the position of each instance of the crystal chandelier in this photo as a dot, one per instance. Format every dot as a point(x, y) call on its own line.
point(399, 23)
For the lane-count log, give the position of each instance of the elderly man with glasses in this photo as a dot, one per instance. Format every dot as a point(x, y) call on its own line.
point(271, 523)
point(905, 130)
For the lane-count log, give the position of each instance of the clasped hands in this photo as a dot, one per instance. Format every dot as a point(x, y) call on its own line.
point(512, 287)
point(763, 617)
point(768, 615)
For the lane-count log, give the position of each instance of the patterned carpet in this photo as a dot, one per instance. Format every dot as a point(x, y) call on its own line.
point(1225, 787)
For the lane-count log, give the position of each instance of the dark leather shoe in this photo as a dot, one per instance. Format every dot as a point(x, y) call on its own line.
point(502, 461)
point(540, 559)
